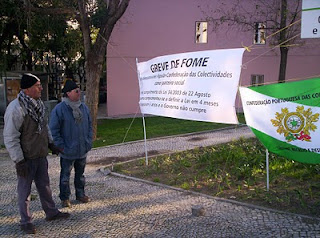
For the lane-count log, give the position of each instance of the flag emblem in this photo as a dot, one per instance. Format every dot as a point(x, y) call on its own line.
point(295, 125)
point(285, 118)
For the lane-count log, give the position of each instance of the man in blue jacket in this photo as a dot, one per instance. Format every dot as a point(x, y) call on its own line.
point(71, 128)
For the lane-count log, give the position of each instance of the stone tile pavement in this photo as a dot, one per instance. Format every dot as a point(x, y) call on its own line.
point(125, 207)
point(168, 144)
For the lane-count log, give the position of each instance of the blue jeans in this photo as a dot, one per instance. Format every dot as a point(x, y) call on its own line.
point(79, 179)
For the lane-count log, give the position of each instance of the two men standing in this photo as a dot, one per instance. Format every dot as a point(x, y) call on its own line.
point(27, 138)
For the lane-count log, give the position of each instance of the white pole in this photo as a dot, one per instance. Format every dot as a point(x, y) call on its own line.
point(267, 167)
point(143, 122)
point(145, 139)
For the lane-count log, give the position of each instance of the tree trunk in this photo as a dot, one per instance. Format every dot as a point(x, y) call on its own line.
point(93, 71)
point(283, 64)
point(95, 52)
point(282, 38)
point(29, 60)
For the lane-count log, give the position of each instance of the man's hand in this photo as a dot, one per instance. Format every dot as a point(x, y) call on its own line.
point(55, 150)
point(22, 168)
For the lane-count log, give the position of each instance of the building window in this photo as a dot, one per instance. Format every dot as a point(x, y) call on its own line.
point(257, 79)
point(201, 32)
point(259, 33)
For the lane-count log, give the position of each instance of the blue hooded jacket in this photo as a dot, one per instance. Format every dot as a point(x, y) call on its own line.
point(74, 138)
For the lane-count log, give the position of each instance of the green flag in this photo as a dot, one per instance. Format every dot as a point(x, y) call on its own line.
point(285, 118)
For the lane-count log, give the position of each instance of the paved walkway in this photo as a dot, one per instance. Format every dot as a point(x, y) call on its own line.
point(125, 207)
point(165, 145)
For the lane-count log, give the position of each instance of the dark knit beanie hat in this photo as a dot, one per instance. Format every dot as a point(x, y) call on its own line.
point(69, 86)
point(28, 80)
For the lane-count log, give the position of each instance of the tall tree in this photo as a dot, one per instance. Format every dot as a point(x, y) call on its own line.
point(279, 16)
point(102, 15)
point(96, 19)
point(36, 40)
point(12, 40)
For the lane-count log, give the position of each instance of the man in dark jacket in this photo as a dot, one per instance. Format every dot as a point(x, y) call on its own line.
point(27, 138)
point(71, 128)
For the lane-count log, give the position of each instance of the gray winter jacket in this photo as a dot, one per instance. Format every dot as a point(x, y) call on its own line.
point(20, 134)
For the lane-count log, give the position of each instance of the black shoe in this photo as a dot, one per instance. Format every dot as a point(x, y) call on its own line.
point(28, 228)
point(84, 199)
point(66, 203)
point(60, 215)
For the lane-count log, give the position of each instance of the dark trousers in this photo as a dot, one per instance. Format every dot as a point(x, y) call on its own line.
point(79, 179)
point(38, 172)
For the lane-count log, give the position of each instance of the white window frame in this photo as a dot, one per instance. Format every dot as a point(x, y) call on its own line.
point(201, 32)
point(257, 79)
point(259, 33)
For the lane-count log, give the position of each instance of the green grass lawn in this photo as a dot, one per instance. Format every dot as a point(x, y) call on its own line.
point(236, 171)
point(115, 131)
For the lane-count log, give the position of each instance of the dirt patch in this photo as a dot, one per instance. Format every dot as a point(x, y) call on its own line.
point(109, 160)
point(199, 138)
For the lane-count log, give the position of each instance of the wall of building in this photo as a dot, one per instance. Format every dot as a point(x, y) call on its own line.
point(152, 28)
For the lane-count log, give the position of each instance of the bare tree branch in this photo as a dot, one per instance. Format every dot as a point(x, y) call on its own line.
point(278, 15)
